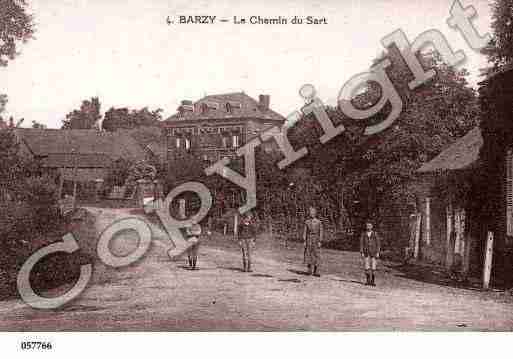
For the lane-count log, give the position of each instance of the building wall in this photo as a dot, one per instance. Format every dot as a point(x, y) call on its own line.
point(454, 225)
point(211, 140)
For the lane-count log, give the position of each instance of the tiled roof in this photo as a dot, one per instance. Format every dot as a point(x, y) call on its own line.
point(249, 108)
point(89, 146)
point(462, 154)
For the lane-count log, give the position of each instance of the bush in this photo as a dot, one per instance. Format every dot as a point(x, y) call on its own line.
point(27, 224)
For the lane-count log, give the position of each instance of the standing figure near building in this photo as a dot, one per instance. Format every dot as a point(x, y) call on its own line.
point(370, 247)
point(246, 233)
point(193, 234)
point(313, 237)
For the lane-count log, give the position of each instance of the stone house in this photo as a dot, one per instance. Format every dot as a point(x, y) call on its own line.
point(216, 125)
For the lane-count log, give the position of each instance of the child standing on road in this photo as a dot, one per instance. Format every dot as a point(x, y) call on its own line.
point(370, 247)
point(193, 233)
point(246, 233)
point(312, 238)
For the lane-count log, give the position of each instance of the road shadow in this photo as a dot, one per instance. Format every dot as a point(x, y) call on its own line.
point(431, 275)
point(349, 281)
point(299, 272)
point(262, 275)
point(234, 269)
point(186, 267)
point(290, 280)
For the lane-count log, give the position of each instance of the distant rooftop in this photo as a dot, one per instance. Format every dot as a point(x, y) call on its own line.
point(87, 146)
point(226, 106)
point(462, 154)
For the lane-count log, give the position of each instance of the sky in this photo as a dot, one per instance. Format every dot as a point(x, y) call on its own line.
point(125, 53)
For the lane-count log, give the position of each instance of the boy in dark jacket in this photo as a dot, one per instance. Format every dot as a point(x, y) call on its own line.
point(370, 247)
point(246, 233)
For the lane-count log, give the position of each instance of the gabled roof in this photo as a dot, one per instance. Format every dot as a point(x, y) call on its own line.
point(462, 154)
point(249, 108)
point(88, 147)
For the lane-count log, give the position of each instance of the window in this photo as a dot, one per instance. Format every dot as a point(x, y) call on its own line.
point(187, 143)
point(225, 141)
point(235, 141)
point(178, 142)
point(509, 193)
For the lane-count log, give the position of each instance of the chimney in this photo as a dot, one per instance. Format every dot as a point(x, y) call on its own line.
point(263, 102)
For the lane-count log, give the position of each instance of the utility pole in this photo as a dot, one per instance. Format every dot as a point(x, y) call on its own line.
point(73, 158)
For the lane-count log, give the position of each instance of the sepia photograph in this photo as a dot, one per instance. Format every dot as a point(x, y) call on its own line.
point(255, 166)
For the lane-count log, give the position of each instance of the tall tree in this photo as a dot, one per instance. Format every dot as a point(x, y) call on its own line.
point(85, 118)
point(369, 174)
point(15, 26)
point(500, 50)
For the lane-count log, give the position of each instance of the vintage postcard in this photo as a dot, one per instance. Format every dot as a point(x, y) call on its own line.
point(255, 166)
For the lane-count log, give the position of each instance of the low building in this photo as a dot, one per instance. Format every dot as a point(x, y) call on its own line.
point(450, 225)
point(216, 125)
point(466, 192)
point(78, 155)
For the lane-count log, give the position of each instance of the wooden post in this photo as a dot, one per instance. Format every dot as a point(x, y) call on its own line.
point(428, 221)
point(74, 178)
point(466, 254)
point(235, 225)
point(487, 269)
point(416, 249)
point(61, 182)
point(449, 249)
point(181, 208)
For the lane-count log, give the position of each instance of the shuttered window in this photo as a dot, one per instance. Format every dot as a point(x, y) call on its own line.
point(509, 192)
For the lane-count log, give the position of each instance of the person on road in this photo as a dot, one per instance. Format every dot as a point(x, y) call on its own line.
point(246, 233)
point(312, 238)
point(370, 247)
point(193, 232)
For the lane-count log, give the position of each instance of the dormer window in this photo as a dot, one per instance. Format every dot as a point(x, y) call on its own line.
point(204, 108)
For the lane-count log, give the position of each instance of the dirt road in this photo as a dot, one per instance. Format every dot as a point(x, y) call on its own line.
point(159, 295)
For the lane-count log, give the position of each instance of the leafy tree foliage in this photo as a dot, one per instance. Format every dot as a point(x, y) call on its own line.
point(500, 50)
point(368, 176)
point(123, 118)
point(15, 26)
point(38, 125)
point(85, 118)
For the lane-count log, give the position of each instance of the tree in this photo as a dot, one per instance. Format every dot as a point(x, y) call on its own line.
point(85, 118)
point(15, 26)
point(369, 175)
point(38, 125)
point(123, 118)
point(500, 50)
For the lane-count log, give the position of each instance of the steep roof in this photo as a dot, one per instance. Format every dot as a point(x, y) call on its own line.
point(249, 108)
point(89, 147)
point(462, 154)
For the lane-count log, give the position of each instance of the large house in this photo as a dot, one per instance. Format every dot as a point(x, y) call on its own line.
point(216, 125)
